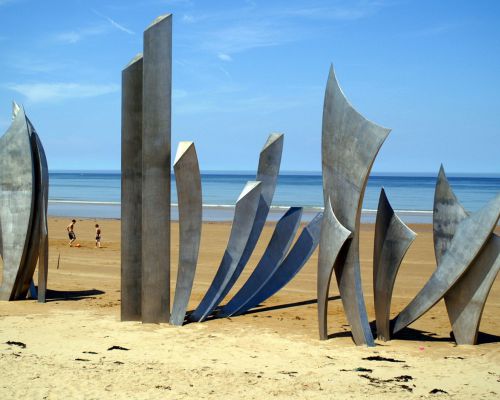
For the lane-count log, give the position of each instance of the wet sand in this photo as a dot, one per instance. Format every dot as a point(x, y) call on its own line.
point(271, 351)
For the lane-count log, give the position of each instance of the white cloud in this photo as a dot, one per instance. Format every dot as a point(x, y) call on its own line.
point(114, 23)
point(120, 27)
point(432, 31)
point(342, 13)
point(39, 92)
point(224, 57)
point(239, 38)
point(28, 65)
point(75, 36)
point(239, 29)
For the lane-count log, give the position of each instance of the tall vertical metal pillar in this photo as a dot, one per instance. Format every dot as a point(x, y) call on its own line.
point(156, 136)
point(131, 200)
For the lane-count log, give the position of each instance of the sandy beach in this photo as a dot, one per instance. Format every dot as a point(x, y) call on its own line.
point(75, 347)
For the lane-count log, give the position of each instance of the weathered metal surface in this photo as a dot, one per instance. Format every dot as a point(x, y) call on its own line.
point(466, 298)
point(131, 191)
point(332, 239)
point(350, 144)
point(17, 183)
point(294, 261)
point(43, 254)
point(267, 173)
point(244, 214)
point(392, 240)
point(447, 215)
point(470, 236)
point(188, 183)
point(275, 252)
point(35, 235)
point(156, 137)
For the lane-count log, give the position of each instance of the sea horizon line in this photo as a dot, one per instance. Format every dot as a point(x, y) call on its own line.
point(424, 174)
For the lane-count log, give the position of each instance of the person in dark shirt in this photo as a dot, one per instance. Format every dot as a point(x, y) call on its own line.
point(97, 236)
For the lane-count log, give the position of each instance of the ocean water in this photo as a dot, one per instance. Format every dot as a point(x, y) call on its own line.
point(97, 194)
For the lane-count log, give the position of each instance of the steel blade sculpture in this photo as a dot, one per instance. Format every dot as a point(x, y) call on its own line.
point(156, 133)
point(146, 128)
point(244, 214)
point(267, 173)
point(24, 184)
point(467, 251)
point(188, 183)
point(392, 240)
point(294, 261)
point(333, 237)
point(131, 191)
point(470, 236)
point(466, 298)
point(350, 144)
point(275, 252)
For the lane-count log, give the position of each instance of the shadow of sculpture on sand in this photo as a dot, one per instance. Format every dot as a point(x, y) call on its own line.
point(72, 295)
point(260, 308)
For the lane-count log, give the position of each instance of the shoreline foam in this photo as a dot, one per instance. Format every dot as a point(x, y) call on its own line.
point(212, 212)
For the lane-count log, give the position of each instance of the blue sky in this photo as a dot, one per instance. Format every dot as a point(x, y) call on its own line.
point(430, 70)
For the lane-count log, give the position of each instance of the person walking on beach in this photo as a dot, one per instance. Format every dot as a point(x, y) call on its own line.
point(71, 233)
point(97, 236)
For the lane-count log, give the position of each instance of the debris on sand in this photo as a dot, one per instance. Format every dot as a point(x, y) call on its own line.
point(379, 358)
point(118, 348)
point(14, 343)
point(438, 391)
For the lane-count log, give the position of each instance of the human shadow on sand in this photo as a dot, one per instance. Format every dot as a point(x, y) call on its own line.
point(71, 295)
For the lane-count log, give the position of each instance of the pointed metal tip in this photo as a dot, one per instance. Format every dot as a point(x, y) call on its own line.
point(15, 109)
point(397, 325)
point(333, 85)
point(182, 149)
point(273, 138)
point(249, 187)
point(159, 19)
point(136, 58)
point(441, 170)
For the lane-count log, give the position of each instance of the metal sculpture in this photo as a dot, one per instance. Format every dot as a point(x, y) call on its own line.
point(131, 191)
point(333, 238)
point(23, 209)
point(297, 257)
point(267, 173)
point(466, 298)
point(275, 252)
point(146, 136)
point(470, 236)
point(37, 247)
point(392, 240)
point(42, 173)
point(156, 136)
point(244, 215)
point(188, 183)
point(350, 144)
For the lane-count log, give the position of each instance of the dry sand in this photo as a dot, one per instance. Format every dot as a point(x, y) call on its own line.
point(273, 351)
